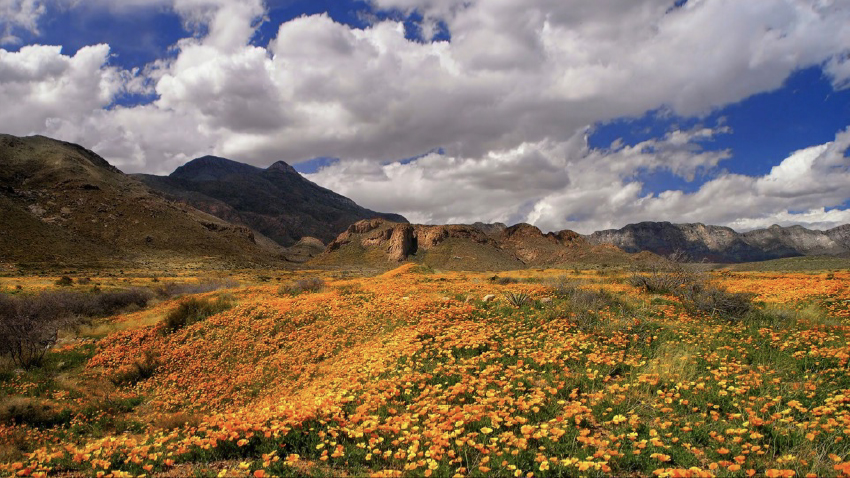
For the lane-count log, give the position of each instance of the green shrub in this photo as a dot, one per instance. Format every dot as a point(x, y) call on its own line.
point(140, 370)
point(194, 310)
point(503, 280)
point(64, 281)
point(110, 303)
point(33, 412)
point(423, 269)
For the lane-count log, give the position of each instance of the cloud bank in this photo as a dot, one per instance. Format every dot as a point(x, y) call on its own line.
point(509, 99)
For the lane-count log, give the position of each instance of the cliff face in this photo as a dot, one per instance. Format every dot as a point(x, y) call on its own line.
point(700, 242)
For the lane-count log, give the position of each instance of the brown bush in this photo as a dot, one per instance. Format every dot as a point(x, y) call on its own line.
point(697, 293)
point(29, 326)
point(308, 284)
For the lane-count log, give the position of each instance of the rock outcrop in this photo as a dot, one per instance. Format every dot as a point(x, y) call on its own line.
point(471, 247)
point(431, 236)
point(402, 242)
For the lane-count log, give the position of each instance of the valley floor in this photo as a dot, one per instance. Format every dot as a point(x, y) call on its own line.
point(413, 373)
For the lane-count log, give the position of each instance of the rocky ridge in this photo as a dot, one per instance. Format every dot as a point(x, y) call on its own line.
point(470, 247)
point(700, 242)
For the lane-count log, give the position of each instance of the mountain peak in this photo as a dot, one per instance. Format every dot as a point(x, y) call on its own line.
point(277, 201)
point(283, 167)
point(211, 168)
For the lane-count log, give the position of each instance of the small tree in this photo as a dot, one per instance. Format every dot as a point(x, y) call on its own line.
point(29, 326)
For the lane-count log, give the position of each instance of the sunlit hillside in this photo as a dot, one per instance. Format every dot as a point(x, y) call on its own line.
point(421, 373)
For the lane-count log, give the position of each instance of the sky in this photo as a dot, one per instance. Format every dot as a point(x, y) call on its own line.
point(566, 114)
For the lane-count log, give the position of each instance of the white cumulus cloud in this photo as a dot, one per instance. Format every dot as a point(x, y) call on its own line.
point(504, 99)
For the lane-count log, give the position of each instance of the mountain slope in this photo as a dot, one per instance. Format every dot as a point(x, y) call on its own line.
point(62, 203)
point(277, 201)
point(701, 242)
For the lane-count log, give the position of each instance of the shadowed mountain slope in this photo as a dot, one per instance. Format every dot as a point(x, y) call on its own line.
point(277, 201)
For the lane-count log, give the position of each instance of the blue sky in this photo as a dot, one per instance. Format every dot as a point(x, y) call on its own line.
point(581, 116)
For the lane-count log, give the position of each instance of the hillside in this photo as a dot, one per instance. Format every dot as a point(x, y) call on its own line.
point(379, 244)
point(276, 201)
point(708, 243)
point(64, 204)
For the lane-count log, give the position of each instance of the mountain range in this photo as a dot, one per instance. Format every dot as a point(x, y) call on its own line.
point(64, 204)
point(705, 243)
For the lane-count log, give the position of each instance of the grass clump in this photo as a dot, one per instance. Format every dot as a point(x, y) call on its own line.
point(585, 307)
point(308, 284)
point(194, 310)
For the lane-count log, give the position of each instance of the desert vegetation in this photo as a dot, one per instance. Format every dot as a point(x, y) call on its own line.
point(661, 372)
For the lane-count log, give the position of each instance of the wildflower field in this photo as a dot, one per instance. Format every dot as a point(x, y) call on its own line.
point(413, 373)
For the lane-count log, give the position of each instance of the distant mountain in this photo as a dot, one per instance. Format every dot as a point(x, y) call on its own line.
point(700, 242)
point(379, 243)
point(61, 203)
point(277, 201)
point(799, 241)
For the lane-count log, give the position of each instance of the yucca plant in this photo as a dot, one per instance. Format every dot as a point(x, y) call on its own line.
point(517, 299)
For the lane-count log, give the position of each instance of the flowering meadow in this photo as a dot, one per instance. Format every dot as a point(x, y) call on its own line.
point(413, 373)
